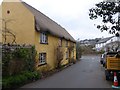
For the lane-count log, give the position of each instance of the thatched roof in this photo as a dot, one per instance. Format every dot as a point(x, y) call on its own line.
point(44, 23)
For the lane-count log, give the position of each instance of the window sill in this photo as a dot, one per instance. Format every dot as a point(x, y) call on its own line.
point(42, 64)
point(44, 43)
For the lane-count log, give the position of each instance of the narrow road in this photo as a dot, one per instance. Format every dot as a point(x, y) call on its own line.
point(87, 73)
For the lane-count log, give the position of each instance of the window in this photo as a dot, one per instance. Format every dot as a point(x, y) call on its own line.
point(66, 55)
point(66, 43)
point(43, 38)
point(71, 44)
point(60, 42)
point(42, 58)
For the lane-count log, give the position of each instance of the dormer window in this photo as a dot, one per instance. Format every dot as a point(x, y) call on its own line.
point(43, 38)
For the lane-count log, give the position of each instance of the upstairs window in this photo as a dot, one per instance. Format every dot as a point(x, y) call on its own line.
point(43, 38)
point(42, 58)
point(60, 42)
point(71, 44)
point(66, 43)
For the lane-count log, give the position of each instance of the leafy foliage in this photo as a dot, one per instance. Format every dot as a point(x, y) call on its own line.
point(16, 60)
point(20, 79)
point(18, 65)
point(78, 50)
point(109, 12)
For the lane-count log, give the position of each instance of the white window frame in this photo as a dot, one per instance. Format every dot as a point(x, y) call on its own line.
point(42, 58)
point(60, 42)
point(43, 38)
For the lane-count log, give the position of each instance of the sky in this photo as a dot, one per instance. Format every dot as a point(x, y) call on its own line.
point(73, 15)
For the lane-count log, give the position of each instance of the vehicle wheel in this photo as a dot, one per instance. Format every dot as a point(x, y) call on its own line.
point(107, 75)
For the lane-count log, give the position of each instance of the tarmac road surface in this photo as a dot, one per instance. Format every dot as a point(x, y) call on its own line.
point(86, 73)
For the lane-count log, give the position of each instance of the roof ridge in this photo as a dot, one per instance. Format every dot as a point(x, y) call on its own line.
point(49, 24)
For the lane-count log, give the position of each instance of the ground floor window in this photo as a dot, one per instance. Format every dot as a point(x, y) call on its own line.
point(42, 58)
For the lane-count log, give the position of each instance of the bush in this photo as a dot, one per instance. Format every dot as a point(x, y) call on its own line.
point(21, 79)
point(32, 75)
point(17, 59)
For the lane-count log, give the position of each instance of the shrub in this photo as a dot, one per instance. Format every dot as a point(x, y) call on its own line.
point(18, 65)
point(18, 80)
point(17, 59)
point(59, 57)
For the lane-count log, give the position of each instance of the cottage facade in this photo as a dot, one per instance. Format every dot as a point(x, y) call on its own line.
point(26, 25)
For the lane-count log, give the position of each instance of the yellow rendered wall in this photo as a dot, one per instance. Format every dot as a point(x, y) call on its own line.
point(20, 22)
point(50, 50)
point(22, 25)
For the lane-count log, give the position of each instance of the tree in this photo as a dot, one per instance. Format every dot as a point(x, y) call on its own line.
point(78, 50)
point(109, 11)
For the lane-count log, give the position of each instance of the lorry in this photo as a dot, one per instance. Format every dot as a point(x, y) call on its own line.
point(112, 65)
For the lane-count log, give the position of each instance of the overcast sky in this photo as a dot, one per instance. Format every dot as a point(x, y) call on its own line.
point(72, 15)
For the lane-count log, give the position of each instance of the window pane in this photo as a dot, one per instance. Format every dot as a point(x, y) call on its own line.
point(42, 58)
point(43, 38)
